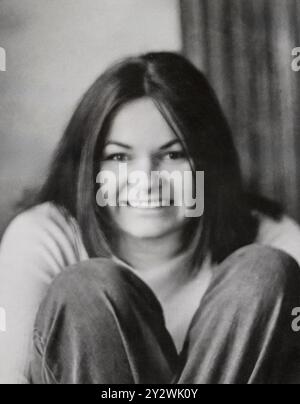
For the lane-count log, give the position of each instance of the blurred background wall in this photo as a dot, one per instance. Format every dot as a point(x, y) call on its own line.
point(245, 48)
point(55, 49)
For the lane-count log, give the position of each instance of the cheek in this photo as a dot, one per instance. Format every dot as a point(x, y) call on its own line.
point(113, 182)
point(188, 188)
point(183, 188)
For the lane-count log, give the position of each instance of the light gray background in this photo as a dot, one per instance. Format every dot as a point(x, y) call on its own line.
point(55, 49)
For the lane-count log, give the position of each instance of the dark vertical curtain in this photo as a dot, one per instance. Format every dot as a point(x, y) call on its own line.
point(245, 49)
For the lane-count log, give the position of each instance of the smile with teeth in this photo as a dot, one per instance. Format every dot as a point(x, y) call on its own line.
point(148, 204)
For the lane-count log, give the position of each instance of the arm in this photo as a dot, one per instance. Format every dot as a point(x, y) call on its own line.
point(34, 250)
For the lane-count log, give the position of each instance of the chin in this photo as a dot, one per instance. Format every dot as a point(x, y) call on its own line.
point(148, 234)
point(150, 227)
point(148, 231)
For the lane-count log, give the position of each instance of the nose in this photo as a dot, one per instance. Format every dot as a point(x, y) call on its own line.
point(147, 166)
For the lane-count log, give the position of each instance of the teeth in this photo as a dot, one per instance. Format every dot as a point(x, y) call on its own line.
point(147, 205)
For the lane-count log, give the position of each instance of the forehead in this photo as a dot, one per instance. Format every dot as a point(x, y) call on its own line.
point(139, 123)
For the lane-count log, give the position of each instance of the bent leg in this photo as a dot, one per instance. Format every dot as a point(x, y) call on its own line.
point(241, 333)
point(100, 324)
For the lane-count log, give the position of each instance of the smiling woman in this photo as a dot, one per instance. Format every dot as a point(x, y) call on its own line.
point(120, 291)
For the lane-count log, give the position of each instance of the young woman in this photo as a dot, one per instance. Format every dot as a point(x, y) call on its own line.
point(143, 294)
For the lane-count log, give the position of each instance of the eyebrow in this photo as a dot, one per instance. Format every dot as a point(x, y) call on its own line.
point(126, 146)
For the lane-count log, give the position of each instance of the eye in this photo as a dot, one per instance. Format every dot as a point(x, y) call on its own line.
point(175, 155)
point(117, 157)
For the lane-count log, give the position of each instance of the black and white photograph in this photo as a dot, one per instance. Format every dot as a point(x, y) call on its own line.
point(149, 194)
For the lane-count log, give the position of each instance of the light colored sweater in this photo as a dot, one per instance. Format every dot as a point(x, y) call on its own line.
point(37, 246)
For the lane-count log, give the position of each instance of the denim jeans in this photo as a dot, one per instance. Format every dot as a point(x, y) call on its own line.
point(100, 324)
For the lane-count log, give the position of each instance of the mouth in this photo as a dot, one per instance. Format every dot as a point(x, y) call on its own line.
point(149, 204)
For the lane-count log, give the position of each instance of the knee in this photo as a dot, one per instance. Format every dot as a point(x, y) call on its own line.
point(79, 318)
point(89, 291)
point(260, 273)
point(87, 283)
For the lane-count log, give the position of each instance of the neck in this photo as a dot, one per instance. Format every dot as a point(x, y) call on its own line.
point(150, 257)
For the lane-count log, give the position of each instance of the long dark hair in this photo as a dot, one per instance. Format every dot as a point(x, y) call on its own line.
point(189, 105)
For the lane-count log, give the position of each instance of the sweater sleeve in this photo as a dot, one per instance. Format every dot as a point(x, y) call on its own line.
point(36, 247)
point(283, 235)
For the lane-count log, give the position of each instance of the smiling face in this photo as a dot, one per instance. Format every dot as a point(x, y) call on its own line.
point(141, 138)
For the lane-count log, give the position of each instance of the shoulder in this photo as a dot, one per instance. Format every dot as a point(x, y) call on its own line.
point(283, 234)
point(84, 279)
point(41, 217)
point(36, 248)
point(43, 229)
